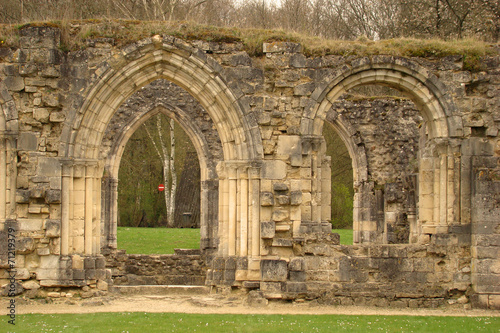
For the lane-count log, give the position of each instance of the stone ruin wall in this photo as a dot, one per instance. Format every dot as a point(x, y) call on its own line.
point(389, 131)
point(42, 89)
point(185, 267)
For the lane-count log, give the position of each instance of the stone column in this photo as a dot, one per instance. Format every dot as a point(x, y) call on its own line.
point(411, 184)
point(97, 213)
point(326, 194)
point(244, 194)
point(454, 182)
point(67, 179)
point(209, 214)
point(443, 193)
point(447, 192)
point(232, 202)
point(426, 198)
point(89, 182)
point(204, 208)
point(356, 218)
point(254, 193)
point(223, 209)
point(315, 186)
point(113, 213)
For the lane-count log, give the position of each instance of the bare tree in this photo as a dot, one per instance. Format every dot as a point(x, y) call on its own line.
point(460, 10)
point(294, 14)
point(492, 7)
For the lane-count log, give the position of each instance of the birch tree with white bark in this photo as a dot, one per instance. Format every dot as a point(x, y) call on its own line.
point(165, 149)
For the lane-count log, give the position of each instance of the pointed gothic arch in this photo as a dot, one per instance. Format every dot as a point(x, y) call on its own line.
point(439, 199)
point(115, 81)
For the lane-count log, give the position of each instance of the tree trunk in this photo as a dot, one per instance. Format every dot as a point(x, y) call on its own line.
point(173, 188)
point(167, 171)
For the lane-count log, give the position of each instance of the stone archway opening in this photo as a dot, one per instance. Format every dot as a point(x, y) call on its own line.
point(432, 198)
point(133, 200)
point(342, 192)
point(89, 182)
point(134, 167)
point(389, 130)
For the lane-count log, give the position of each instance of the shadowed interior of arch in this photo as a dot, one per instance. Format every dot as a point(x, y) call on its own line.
point(386, 127)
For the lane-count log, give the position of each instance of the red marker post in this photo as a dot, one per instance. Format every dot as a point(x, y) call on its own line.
point(161, 187)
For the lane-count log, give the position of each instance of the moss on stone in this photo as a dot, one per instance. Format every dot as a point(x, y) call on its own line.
point(74, 35)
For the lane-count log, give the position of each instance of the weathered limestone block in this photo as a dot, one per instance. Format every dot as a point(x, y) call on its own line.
point(100, 263)
point(52, 228)
point(31, 284)
point(298, 276)
point(256, 299)
point(280, 47)
point(43, 251)
point(270, 286)
point(273, 169)
point(51, 71)
point(297, 264)
point(296, 198)
point(6, 291)
point(25, 245)
point(49, 167)
point(89, 263)
point(37, 191)
point(273, 270)
point(27, 142)
point(266, 199)
point(41, 115)
point(22, 274)
point(280, 187)
point(78, 274)
point(77, 262)
point(281, 242)
point(57, 117)
point(22, 196)
point(28, 69)
point(494, 302)
point(102, 285)
point(267, 229)
point(283, 200)
point(280, 215)
point(304, 89)
point(53, 196)
point(290, 146)
point(296, 286)
point(14, 83)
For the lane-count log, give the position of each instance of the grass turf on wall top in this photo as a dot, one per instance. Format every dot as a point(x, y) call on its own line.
point(74, 36)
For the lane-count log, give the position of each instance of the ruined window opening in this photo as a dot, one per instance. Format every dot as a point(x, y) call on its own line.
point(385, 125)
point(342, 192)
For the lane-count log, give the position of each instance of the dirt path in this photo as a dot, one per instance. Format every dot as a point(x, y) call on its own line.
point(219, 304)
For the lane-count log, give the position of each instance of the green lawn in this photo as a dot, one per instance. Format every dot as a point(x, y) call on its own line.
point(157, 240)
point(345, 236)
point(164, 240)
point(172, 322)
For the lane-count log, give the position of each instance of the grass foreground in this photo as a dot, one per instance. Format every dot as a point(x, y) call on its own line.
point(180, 322)
point(165, 240)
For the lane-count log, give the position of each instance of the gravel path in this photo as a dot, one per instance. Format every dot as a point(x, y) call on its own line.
point(220, 304)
